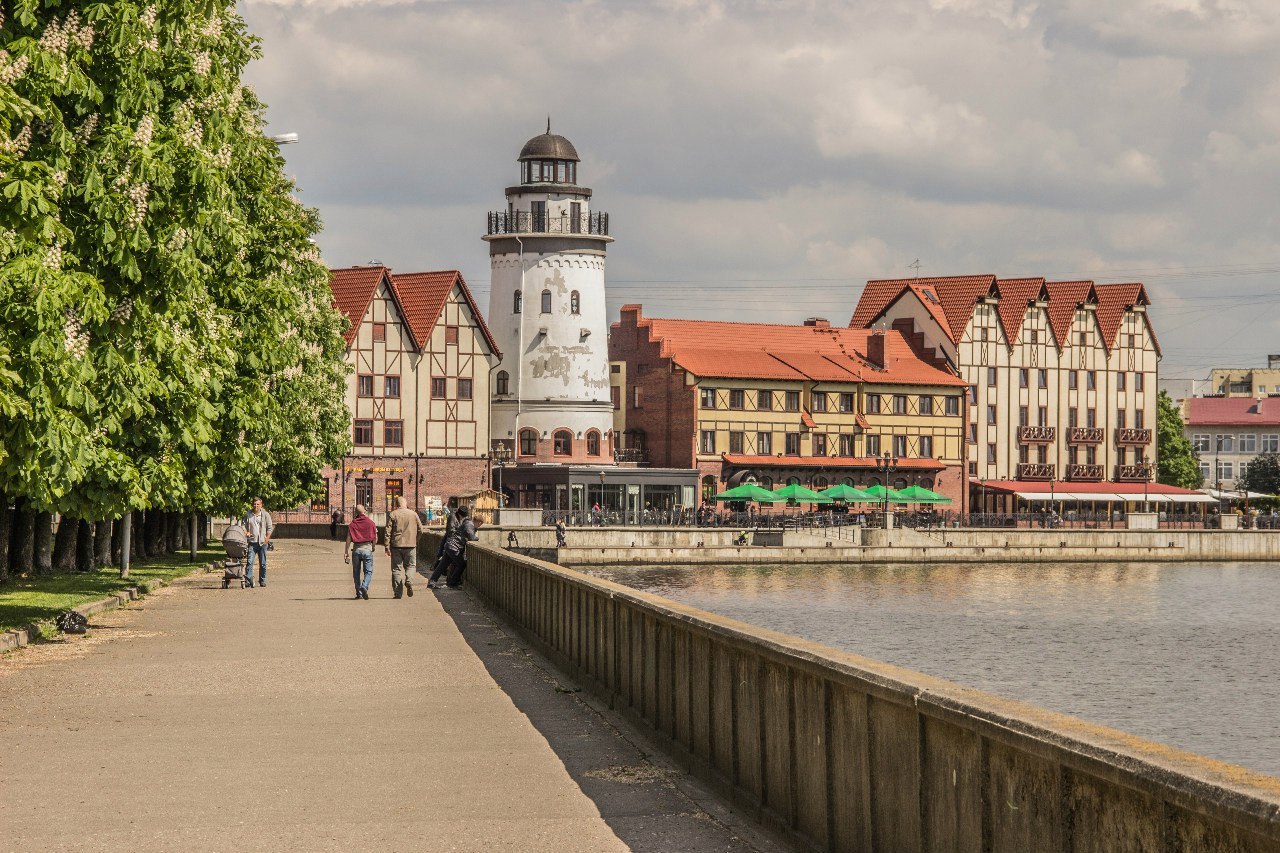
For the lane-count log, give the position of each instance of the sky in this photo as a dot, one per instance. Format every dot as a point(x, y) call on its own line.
point(760, 161)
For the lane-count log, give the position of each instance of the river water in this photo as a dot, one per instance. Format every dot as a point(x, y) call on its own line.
point(1184, 654)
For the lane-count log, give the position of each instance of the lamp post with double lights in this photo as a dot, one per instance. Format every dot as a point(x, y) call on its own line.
point(499, 456)
point(886, 465)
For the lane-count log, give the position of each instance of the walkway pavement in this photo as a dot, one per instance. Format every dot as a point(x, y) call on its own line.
point(295, 717)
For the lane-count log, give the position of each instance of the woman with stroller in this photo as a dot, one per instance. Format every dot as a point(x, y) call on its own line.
point(362, 533)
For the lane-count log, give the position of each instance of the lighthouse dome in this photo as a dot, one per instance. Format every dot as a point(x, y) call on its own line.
point(549, 146)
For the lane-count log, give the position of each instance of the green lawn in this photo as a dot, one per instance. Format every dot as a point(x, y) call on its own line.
point(26, 600)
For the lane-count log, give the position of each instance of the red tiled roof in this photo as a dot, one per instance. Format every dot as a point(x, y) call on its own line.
point(726, 350)
point(1113, 301)
point(1064, 298)
point(353, 289)
point(1232, 411)
point(1038, 487)
point(1014, 294)
point(423, 296)
point(949, 298)
point(825, 462)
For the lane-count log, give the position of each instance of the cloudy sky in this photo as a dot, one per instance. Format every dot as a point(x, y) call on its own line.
point(760, 160)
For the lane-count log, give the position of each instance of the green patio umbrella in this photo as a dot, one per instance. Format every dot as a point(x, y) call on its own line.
point(748, 492)
point(877, 492)
point(799, 494)
point(921, 495)
point(846, 493)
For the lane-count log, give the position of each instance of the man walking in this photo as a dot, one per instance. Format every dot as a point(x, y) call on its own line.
point(455, 551)
point(403, 528)
point(257, 529)
point(361, 534)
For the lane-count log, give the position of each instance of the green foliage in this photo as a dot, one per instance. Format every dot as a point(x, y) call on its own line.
point(167, 338)
point(1179, 464)
point(1262, 474)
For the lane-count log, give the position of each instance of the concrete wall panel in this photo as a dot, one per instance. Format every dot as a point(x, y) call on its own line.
point(1024, 798)
point(775, 719)
point(811, 747)
point(952, 795)
point(895, 777)
point(1108, 819)
point(850, 774)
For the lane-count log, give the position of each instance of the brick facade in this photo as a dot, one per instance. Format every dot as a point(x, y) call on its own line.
point(666, 416)
point(420, 477)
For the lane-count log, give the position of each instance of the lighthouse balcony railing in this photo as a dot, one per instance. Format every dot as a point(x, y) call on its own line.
point(525, 222)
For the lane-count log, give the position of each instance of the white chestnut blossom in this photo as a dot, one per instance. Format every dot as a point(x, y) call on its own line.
point(201, 64)
point(146, 128)
point(75, 338)
point(11, 70)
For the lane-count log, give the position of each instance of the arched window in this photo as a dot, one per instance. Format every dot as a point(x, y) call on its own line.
point(899, 484)
point(575, 303)
point(708, 489)
point(593, 443)
point(517, 303)
point(546, 302)
point(793, 481)
point(503, 382)
point(819, 483)
point(766, 483)
point(848, 481)
point(562, 443)
point(528, 442)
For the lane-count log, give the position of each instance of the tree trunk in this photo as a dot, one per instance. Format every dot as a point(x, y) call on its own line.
point(6, 531)
point(126, 545)
point(22, 550)
point(117, 532)
point(44, 543)
point(155, 533)
point(85, 561)
point(193, 536)
point(138, 534)
point(202, 530)
point(103, 543)
point(64, 544)
point(173, 527)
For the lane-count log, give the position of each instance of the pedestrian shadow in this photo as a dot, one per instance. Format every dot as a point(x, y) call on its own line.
point(649, 805)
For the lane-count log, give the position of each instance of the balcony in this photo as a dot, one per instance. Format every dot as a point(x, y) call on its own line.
point(1037, 434)
point(1131, 436)
point(1134, 473)
point(1084, 435)
point(525, 222)
point(1035, 471)
point(1084, 473)
point(634, 455)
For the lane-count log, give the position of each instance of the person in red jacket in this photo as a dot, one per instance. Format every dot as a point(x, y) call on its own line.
point(362, 533)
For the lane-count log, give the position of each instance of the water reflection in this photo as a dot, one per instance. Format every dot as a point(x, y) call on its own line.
point(1182, 654)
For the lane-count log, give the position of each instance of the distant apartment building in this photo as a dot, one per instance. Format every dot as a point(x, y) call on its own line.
point(1230, 432)
point(775, 404)
point(1061, 376)
point(1246, 381)
point(421, 357)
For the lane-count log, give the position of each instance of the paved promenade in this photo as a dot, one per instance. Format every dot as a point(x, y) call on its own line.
point(296, 718)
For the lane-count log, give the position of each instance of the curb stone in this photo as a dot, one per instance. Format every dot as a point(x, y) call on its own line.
point(16, 638)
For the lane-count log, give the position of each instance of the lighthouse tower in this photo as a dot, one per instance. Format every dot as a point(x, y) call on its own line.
point(547, 313)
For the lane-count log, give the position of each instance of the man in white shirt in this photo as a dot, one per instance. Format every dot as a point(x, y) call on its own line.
point(257, 528)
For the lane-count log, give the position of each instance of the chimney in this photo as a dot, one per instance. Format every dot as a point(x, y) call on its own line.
point(824, 323)
point(1273, 361)
point(875, 348)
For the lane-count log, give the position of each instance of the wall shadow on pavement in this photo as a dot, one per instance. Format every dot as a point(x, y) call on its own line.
point(638, 799)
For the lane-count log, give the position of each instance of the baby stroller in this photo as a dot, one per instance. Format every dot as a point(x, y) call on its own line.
point(236, 566)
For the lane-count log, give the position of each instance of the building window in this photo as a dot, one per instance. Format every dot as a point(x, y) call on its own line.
point(846, 402)
point(391, 386)
point(1139, 418)
point(562, 443)
point(464, 389)
point(395, 489)
point(1200, 442)
point(1091, 455)
point(873, 445)
point(363, 433)
point(1071, 417)
point(973, 394)
point(1043, 416)
point(438, 388)
point(1121, 418)
point(379, 331)
point(819, 444)
point(1205, 471)
point(451, 335)
point(846, 445)
point(737, 398)
point(1091, 418)
point(1248, 443)
point(1226, 443)
point(364, 385)
point(926, 405)
point(1138, 382)
point(973, 433)
point(1091, 378)
point(1270, 443)
point(873, 404)
point(364, 492)
point(991, 454)
point(1083, 339)
point(393, 433)
point(984, 333)
point(1120, 381)
point(707, 398)
point(991, 415)
point(320, 503)
point(736, 441)
point(593, 443)
point(818, 401)
point(1042, 378)
point(764, 443)
point(546, 302)
point(1226, 470)
point(615, 397)
point(1042, 454)
point(637, 398)
point(707, 441)
point(900, 445)
point(517, 302)
point(1024, 453)
point(502, 382)
point(1022, 416)
point(792, 401)
point(1073, 379)
point(575, 303)
point(899, 404)
point(528, 442)
point(764, 400)
point(926, 447)
point(1023, 377)
point(991, 377)
point(792, 444)
point(951, 405)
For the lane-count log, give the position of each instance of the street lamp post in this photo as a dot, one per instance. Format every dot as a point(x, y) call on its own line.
point(1052, 500)
point(886, 465)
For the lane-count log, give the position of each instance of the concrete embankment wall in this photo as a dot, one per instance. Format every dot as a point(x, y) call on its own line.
point(850, 754)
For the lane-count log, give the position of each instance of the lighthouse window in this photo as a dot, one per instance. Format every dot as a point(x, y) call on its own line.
point(575, 302)
point(561, 174)
point(503, 382)
point(546, 302)
point(517, 303)
point(535, 170)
